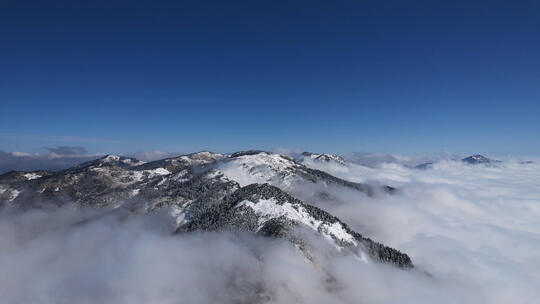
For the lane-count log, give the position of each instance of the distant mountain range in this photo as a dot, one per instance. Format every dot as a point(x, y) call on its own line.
point(479, 159)
point(250, 191)
point(375, 159)
point(471, 160)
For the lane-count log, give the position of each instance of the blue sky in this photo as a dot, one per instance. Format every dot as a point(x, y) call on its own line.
point(401, 77)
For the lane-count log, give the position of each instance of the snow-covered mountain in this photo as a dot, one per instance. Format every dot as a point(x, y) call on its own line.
point(479, 159)
point(324, 157)
point(470, 160)
point(247, 191)
point(283, 172)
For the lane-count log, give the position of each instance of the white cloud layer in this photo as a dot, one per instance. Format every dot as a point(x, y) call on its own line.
point(474, 229)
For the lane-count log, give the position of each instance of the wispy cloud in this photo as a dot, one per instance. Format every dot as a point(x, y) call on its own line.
point(53, 158)
point(67, 150)
point(152, 155)
point(62, 138)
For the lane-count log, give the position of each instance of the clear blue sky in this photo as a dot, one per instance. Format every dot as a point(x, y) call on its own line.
point(341, 76)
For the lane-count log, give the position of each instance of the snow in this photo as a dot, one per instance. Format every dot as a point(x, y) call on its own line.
point(270, 209)
point(110, 158)
point(201, 158)
point(14, 195)
point(216, 174)
point(205, 155)
point(337, 230)
point(180, 176)
point(132, 176)
point(330, 157)
point(160, 171)
point(213, 174)
point(161, 181)
point(115, 158)
point(134, 192)
point(30, 176)
point(157, 172)
point(260, 168)
point(179, 214)
point(130, 162)
point(139, 175)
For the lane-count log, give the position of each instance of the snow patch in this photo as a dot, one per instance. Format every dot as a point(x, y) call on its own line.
point(110, 158)
point(30, 176)
point(270, 209)
point(180, 176)
point(159, 171)
point(179, 215)
point(140, 175)
point(337, 230)
point(129, 161)
point(214, 174)
point(201, 158)
point(14, 195)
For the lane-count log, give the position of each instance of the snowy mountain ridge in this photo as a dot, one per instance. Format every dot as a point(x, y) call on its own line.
point(244, 191)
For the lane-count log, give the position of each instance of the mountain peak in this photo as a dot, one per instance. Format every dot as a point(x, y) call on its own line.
point(120, 160)
point(248, 152)
point(330, 157)
point(109, 158)
point(478, 159)
point(324, 157)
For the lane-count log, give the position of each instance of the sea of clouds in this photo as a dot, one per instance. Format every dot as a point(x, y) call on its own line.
point(473, 233)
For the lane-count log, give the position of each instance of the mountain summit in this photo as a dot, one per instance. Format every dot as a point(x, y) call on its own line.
point(478, 159)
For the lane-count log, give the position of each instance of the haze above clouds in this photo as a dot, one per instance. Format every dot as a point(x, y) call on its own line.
point(63, 157)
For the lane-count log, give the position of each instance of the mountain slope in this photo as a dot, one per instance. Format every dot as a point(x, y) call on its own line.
point(267, 210)
point(283, 172)
point(245, 191)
